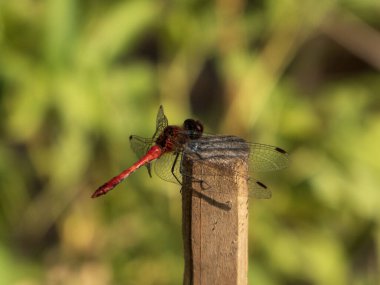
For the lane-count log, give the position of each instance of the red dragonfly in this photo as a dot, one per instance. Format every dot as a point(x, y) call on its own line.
point(168, 144)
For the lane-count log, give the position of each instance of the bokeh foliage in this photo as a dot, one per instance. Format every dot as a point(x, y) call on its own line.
point(78, 77)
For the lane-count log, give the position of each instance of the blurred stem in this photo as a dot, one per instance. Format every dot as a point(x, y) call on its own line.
point(253, 90)
point(355, 35)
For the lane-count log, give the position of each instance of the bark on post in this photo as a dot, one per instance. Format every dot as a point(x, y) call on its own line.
point(215, 212)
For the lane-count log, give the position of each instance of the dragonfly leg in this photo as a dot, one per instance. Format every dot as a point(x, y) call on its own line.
point(173, 167)
point(203, 184)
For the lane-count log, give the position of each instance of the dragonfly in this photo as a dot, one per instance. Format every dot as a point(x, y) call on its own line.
point(169, 143)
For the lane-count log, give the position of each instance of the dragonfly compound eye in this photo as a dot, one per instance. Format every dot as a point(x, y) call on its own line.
point(195, 128)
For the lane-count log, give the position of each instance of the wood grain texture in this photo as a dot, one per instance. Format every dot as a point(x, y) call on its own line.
point(215, 217)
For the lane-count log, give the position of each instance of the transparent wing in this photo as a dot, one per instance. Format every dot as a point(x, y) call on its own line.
point(266, 158)
point(258, 189)
point(161, 123)
point(140, 147)
point(168, 166)
point(261, 158)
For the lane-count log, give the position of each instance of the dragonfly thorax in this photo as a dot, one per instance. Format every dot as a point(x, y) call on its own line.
point(172, 138)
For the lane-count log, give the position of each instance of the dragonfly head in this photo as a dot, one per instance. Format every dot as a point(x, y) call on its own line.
point(195, 128)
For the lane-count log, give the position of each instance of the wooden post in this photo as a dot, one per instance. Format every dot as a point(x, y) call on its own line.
point(215, 212)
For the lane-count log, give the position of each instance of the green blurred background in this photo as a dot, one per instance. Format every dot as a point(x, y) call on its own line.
point(78, 77)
